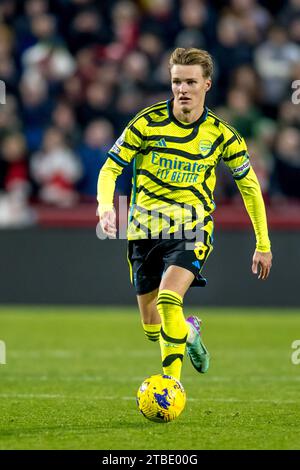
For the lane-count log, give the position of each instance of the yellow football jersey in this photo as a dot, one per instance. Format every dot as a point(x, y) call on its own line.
point(174, 169)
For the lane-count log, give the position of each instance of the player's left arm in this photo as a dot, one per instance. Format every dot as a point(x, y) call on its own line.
point(251, 193)
point(237, 159)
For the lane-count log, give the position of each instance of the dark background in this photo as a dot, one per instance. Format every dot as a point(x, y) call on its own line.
point(66, 266)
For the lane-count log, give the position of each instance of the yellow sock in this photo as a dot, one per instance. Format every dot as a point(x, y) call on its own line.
point(152, 332)
point(173, 332)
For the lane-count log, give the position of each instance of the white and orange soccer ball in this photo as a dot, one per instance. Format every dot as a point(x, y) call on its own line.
point(161, 398)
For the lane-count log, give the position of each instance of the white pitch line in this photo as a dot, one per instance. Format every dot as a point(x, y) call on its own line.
point(65, 354)
point(108, 397)
point(32, 395)
point(263, 379)
point(71, 354)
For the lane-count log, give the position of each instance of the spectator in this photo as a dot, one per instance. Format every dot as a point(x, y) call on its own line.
point(136, 71)
point(294, 30)
point(77, 64)
point(230, 45)
point(14, 172)
point(197, 16)
point(125, 28)
point(289, 11)
point(48, 57)
point(98, 103)
point(242, 113)
point(160, 17)
point(36, 108)
point(152, 46)
point(128, 103)
point(86, 69)
point(14, 182)
point(246, 79)
point(261, 160)
point(274, 60)
point(253, 19)
point(56, 170)
point(286, 175)
point(63, 118)
point(97, 140)
point(87, 29)
point(9, 117)
point(107, 73)
point(289, 115)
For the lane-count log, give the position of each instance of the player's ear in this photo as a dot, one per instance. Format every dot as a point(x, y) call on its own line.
point(208, 85)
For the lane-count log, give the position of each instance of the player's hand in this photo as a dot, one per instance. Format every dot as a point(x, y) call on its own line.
point(108, 223)
point(262, 263)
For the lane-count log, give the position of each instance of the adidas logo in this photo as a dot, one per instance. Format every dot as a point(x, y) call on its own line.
point(161, 143)
point(197, 264)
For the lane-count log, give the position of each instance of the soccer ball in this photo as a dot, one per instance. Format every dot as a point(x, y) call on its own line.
point(161, 398)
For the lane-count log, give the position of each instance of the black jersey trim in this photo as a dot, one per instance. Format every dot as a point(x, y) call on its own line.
point(148, 108)
point(232, 129)
point(162, 123)
point(152, 195)
point(235, 155)
point(197, 123)
point(168, 138)
point(117, 159)
point(215, 145)
point(180, 153)
point(204, 184)
point(172, 187)
point(156, 107)
point(139, 226)
point(151, 212)
point(137, 132)
point(130, 146)
point(159, 197)
point(230, 141)
point(171, 138)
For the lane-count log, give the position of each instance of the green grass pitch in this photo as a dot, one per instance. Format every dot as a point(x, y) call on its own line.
point(72, 374)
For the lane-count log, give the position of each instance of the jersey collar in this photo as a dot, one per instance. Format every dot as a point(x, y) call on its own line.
point(199, 121)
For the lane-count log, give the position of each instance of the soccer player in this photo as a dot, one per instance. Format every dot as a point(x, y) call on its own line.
point(175, 146)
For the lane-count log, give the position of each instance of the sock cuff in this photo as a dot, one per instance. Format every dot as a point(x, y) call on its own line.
point(169, 296)
point(152, 328)
point(152, 331)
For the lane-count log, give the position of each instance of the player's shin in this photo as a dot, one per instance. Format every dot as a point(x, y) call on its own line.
point(173, 332)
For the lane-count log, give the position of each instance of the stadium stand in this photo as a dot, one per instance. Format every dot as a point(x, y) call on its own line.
point(76, 71)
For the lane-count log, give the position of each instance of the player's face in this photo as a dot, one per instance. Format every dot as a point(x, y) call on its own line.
point(189, 87)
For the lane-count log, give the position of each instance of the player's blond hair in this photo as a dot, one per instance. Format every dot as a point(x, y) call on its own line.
point(193, 56)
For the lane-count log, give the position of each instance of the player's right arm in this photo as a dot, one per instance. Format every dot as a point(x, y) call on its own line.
point(119, 156)
point(105, 195)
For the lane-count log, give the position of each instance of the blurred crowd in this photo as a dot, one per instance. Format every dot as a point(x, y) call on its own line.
point(76, 71)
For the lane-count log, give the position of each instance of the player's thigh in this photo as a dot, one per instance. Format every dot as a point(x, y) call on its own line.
point(177, 279)
point(147, 307)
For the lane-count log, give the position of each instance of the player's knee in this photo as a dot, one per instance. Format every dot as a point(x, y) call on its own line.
point(150, 315)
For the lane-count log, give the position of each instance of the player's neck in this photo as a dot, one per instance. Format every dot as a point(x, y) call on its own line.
point(188, 117)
